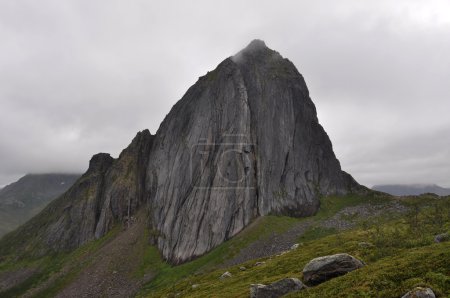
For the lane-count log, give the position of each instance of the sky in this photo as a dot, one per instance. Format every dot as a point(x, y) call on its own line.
point(82, 77)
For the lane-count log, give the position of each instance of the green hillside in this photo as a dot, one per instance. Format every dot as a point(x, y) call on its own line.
point(394, 237)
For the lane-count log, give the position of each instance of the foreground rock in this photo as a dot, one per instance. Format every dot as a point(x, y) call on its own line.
point(276, 289)
point(226, 275)
point(324, 268)
point(420, 292)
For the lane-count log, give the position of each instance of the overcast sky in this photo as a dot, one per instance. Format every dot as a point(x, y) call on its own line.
point(81, 77)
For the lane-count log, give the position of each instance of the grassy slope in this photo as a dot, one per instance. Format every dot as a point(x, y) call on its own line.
point(404, 255)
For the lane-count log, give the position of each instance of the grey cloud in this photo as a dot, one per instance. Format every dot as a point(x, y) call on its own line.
point(81, 77)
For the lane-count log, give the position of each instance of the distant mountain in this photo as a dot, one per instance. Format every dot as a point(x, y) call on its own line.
point(412, 189)
point(21, 200)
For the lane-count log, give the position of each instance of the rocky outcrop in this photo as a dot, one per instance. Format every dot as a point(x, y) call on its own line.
point(420, 292)
point(243, 142)
point(324, 268)
point(276, 289)
point(107, 193)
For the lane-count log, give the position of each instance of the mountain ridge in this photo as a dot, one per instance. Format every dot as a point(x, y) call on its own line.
point(412, 189)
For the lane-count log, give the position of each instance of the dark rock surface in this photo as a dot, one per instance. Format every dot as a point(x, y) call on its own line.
point(420, 292)
point(243, 142)
point(276, 289)
point(324, 268)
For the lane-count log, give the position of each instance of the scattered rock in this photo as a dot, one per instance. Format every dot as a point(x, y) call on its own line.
point(195, 286)
point(259, 263)
point(420, 292)
point(226, 275)
point(295, 246)
point(365, 244)
point(442, 237)
point(242, 268)
point(324, 268)
point(276, 289)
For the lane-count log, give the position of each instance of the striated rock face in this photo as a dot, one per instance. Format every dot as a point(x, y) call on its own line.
point(243, 142)
point(108, 192)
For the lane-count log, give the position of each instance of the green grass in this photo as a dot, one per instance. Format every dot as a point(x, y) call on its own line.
point(400, 258)
point(167, 274)
point(50, 266)
point(330, 205)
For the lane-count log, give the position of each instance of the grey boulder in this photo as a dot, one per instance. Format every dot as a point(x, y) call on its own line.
point(226, 275)
point(276, 289)
point(442, 237)
point(324, 268)
point(420, 292)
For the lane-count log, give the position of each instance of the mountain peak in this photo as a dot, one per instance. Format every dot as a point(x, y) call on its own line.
point(256, 44)
point(256, 50)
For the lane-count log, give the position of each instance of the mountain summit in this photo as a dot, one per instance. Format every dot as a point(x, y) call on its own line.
point(243, 142)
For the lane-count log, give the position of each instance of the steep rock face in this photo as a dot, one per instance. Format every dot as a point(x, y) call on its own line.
point(243, 142)
point(110, 191)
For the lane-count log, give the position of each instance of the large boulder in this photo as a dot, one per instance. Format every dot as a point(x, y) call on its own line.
point(276, 289)
point(420, 292)
point(324, 268)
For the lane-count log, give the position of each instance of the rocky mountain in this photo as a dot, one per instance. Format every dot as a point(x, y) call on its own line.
point(412, 189)
point(21, 200)
point(243, 142)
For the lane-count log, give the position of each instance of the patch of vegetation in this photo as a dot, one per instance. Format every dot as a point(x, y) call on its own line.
point(51, 268)
point(316, 233)
point(167, 274)
point(330, 205)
